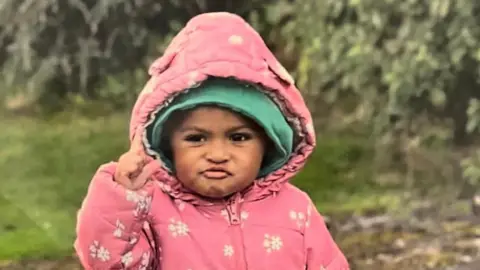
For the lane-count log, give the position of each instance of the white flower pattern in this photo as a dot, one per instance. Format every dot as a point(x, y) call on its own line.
point(244, 215)
point(299, 218)
point(99, 252)
point(133, 240)
point(309, 214)
point(119, 228)
point(235, 40)
point(272, 243)
point(142, 202)
point(180, 204)
point(127, 258)
point(228, 251)
point(145, 261)
point(178, 228)
point(94, 248)
point(103, 254)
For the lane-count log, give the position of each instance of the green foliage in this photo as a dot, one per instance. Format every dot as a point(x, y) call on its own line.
point(411, 68)
point(402, 58)
point(471, 168)
point(56, 48)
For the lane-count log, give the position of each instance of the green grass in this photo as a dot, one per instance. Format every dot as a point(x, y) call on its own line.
point(339, 176)
point(46, 166)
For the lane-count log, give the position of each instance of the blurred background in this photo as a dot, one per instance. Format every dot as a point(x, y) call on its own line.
point(394, 87)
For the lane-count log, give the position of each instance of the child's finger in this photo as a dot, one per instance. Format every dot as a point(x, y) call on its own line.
point(137, 161)
point(147, 172)
point(123, 179)
point(138, 147)
point(137, 142)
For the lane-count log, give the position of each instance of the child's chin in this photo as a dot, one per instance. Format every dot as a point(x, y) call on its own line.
point(216, 193)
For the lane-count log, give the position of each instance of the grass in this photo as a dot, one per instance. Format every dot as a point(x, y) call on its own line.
point(339, 176)
point(46, 166)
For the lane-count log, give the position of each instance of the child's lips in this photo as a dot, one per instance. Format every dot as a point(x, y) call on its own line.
point(217, 174)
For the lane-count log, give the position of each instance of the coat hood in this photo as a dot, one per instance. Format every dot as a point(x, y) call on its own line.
point(224, 45)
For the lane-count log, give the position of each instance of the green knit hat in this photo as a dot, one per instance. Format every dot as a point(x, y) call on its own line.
point(239, 97)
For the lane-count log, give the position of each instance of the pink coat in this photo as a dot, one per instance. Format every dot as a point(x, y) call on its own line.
point(272, 225)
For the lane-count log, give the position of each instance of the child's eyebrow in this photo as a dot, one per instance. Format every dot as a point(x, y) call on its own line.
point(232, 129)
point(193, 128)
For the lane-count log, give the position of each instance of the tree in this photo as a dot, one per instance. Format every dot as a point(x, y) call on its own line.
point(401, 59)
point(52, 48)
point(408, 70)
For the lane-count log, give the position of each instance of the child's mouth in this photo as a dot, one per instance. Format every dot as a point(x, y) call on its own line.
point(216, 174)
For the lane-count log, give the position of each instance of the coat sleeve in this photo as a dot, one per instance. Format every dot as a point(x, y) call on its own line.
point(322, 251)
point(112, 225)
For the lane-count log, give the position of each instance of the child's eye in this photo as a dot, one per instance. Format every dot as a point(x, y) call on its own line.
point(195, 138)
point(239, 137)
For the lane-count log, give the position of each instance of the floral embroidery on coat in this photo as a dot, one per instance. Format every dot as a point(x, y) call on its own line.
point(177, 228)
point(228, 251)
point(99, 252)
point(272, 243)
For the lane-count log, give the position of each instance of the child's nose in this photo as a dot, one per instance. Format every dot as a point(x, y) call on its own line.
point(218, 153)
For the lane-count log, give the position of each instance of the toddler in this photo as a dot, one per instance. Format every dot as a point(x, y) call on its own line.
point(216, 135)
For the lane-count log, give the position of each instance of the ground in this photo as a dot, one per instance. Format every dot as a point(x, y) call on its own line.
point(46, 166)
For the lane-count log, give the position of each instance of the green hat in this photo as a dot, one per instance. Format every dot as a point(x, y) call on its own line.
point(239, 97)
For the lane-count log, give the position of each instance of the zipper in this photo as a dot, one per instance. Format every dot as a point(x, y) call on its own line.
point(233, 209)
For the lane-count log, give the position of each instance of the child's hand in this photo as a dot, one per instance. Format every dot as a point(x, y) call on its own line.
point(131, 172)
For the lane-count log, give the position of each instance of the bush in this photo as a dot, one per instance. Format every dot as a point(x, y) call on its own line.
point(399, 59)
point(408, 70)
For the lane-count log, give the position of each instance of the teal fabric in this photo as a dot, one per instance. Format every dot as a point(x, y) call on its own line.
point(238, 97)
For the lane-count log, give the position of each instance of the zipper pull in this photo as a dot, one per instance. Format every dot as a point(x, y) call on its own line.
point(232, 211)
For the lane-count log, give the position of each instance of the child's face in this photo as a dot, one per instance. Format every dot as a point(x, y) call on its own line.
point(217, 152)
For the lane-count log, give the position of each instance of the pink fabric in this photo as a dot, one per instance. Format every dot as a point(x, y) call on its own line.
point(272, 225)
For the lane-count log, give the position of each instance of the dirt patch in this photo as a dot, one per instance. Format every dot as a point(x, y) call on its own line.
point(70, 263)
point(401, 245)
